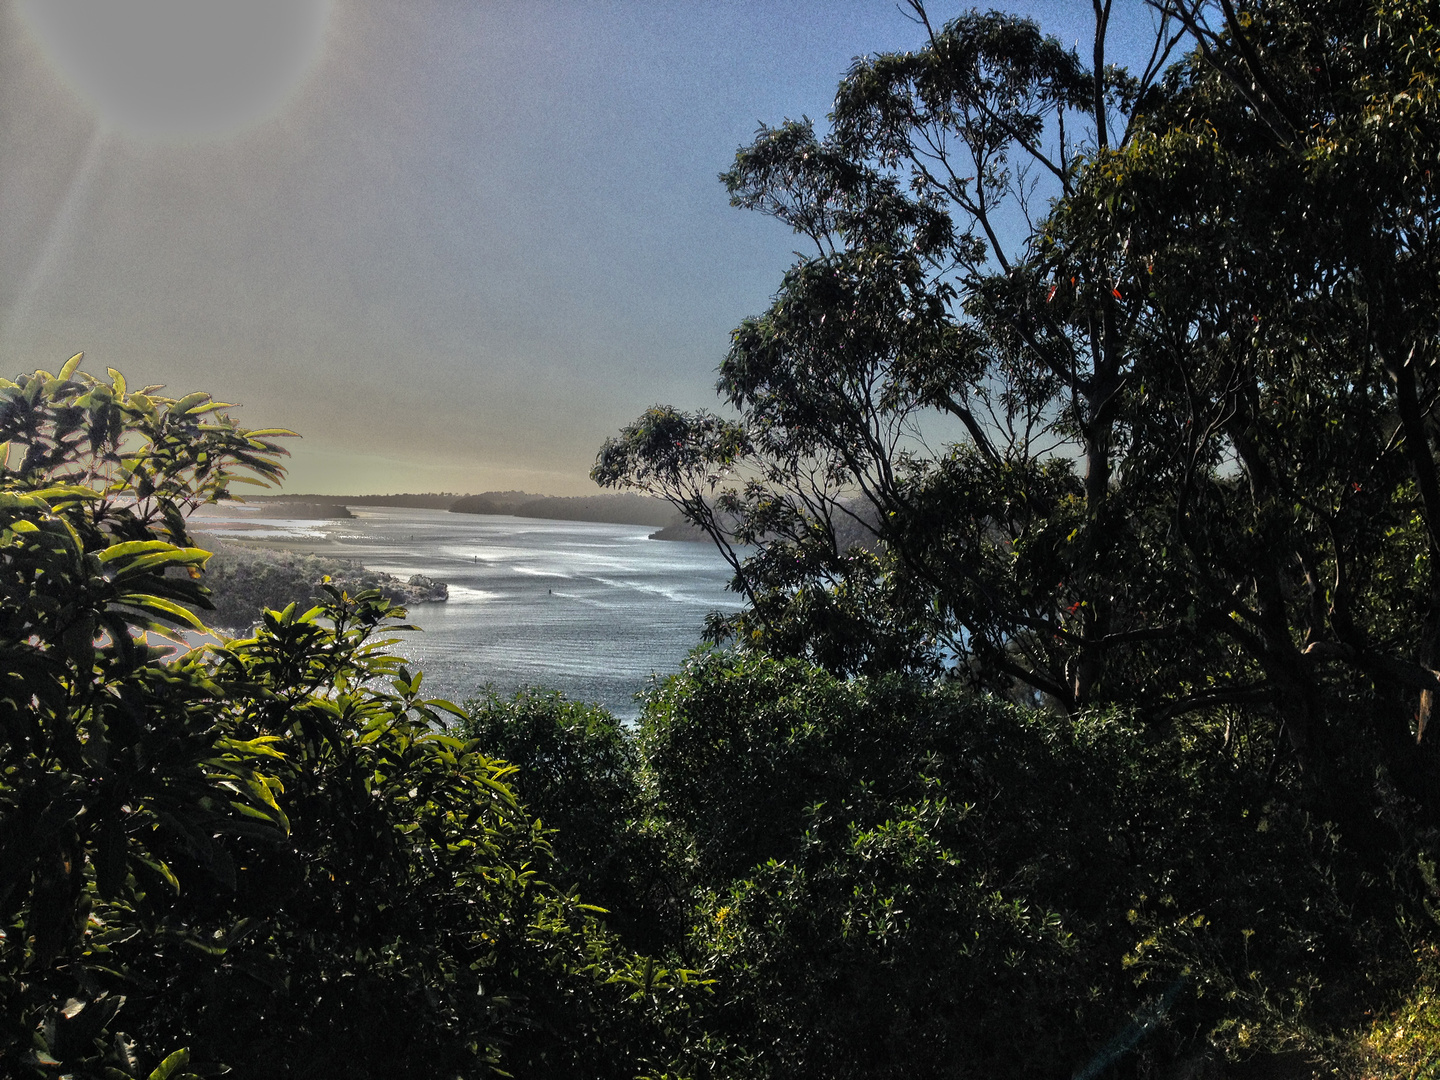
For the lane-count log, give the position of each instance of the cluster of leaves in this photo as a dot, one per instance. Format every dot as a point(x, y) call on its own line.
point(1112, 390)
point(266, 855)
point(889, 877)
point(1196, 392)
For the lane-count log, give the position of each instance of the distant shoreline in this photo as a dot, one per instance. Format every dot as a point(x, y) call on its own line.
point(610, 509)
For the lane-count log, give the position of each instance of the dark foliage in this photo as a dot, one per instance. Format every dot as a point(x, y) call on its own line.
point(267, 855)
point(899, 880)
point(577, 772)
point(1183, 323)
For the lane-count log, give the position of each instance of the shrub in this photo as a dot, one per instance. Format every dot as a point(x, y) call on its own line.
point(267, 855)
point(898, 879)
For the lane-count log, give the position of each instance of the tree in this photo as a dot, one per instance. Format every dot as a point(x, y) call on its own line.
point(113, 762)
point(903, 314)
point(577, 771)
point(894, 878)
point(1172, 451)
point(265, 855)
point(1194, 399)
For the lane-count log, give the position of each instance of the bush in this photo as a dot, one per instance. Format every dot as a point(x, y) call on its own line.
point(895, 879)
point(577, 771)
point(265, 856)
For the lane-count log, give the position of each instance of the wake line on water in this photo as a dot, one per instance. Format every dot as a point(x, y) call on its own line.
point(675, 595)
point(464, 594)
point(530, 571)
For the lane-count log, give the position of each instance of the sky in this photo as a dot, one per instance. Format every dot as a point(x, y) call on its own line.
point(455, 244)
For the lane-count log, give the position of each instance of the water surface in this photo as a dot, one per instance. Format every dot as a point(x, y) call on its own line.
point(589, 609)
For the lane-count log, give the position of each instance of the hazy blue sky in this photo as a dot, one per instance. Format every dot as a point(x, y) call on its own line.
point(454, 243)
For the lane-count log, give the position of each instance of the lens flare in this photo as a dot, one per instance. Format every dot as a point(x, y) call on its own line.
point(180, 68)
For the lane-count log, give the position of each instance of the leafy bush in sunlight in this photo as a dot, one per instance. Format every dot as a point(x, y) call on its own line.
point(114, 762)
point(266, 855)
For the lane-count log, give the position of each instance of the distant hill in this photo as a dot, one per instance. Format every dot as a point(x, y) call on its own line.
point(306, 508)
point(613, 509)
point(430, 501)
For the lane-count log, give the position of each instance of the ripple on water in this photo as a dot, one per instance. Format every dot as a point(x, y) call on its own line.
point(589, 609)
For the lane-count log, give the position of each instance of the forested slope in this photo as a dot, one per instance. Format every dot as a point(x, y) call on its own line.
point(1092, 743)
point(245, 581)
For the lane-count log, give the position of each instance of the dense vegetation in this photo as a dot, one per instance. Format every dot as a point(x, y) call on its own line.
point(1085, 736)
point(244, 581)
point(1131, 378)
point(266, 856)
point(887, 878)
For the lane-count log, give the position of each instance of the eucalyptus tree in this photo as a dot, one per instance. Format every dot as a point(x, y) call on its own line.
point(925, 205)
point(1181, 321)
point(1274, 220)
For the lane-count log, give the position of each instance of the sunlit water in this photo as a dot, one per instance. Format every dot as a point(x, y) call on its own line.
point(588, 609)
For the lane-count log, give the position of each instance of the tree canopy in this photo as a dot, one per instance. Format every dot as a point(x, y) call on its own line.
point(1099, 387)
point(1112, 393)
point(266, 854)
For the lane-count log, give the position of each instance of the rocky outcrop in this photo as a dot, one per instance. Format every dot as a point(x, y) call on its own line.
point(621, 509)
point(681, 530)
point(244, 581)
point(421, 590)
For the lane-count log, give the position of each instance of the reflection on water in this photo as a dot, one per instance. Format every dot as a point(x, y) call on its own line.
point(589, 609)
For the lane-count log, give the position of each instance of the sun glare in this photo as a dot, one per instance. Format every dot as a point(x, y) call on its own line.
point(180, 68)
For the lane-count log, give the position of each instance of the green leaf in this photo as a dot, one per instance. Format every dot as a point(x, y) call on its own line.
point(172, 557)
point(164, 871)
point(168, 1068)
point(160, 606)
point(263, 745)
point(134, 547)
point(201, 410)
point(252, 812)
point(57, 492)
point(188, 402)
